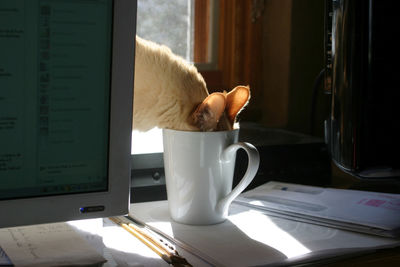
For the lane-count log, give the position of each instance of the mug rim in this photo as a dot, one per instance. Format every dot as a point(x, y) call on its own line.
point(200, 132)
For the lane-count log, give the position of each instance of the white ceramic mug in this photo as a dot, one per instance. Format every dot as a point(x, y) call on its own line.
point(199, 169)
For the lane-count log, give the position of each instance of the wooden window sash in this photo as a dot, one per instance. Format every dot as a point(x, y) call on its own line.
point(202, 30)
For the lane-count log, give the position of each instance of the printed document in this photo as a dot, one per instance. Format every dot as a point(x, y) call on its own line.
point(369, 212)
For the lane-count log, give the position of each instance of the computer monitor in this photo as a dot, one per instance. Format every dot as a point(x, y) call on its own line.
point(66, 83)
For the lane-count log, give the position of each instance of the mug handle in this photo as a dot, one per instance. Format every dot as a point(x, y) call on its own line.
point(252, 168)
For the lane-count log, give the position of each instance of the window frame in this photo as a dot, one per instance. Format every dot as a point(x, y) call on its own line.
point(205, 52)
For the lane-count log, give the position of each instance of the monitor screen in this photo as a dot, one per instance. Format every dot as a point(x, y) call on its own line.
point(66, 78)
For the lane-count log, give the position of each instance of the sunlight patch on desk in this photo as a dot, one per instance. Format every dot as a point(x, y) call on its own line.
point(257, 203)
point(165, 227)
point(89, 226)
point(258, 227)
point(115, 237)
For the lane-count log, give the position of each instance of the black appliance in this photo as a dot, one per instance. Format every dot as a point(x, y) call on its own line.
point(362, 74)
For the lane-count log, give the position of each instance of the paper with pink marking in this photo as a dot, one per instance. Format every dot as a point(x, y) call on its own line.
point(362, 211)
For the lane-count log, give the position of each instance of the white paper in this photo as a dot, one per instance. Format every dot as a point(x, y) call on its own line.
point(378, 213)
point(250, 237)
point(47, 245)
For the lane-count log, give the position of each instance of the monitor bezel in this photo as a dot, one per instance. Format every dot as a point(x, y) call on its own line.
point(116, 199)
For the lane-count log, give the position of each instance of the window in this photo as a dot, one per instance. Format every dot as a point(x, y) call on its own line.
point(188, 27)
point(168, 22)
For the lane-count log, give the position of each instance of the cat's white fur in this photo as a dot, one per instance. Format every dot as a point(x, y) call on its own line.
point(166, 90)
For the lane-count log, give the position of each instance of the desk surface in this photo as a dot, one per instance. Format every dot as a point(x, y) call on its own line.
point(235, 244)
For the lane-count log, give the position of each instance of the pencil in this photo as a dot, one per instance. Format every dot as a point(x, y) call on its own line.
point(169, 254)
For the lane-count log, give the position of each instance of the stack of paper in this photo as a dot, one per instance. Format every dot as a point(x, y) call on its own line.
point(250, 237)
point(55, 244)
point(368, 212)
